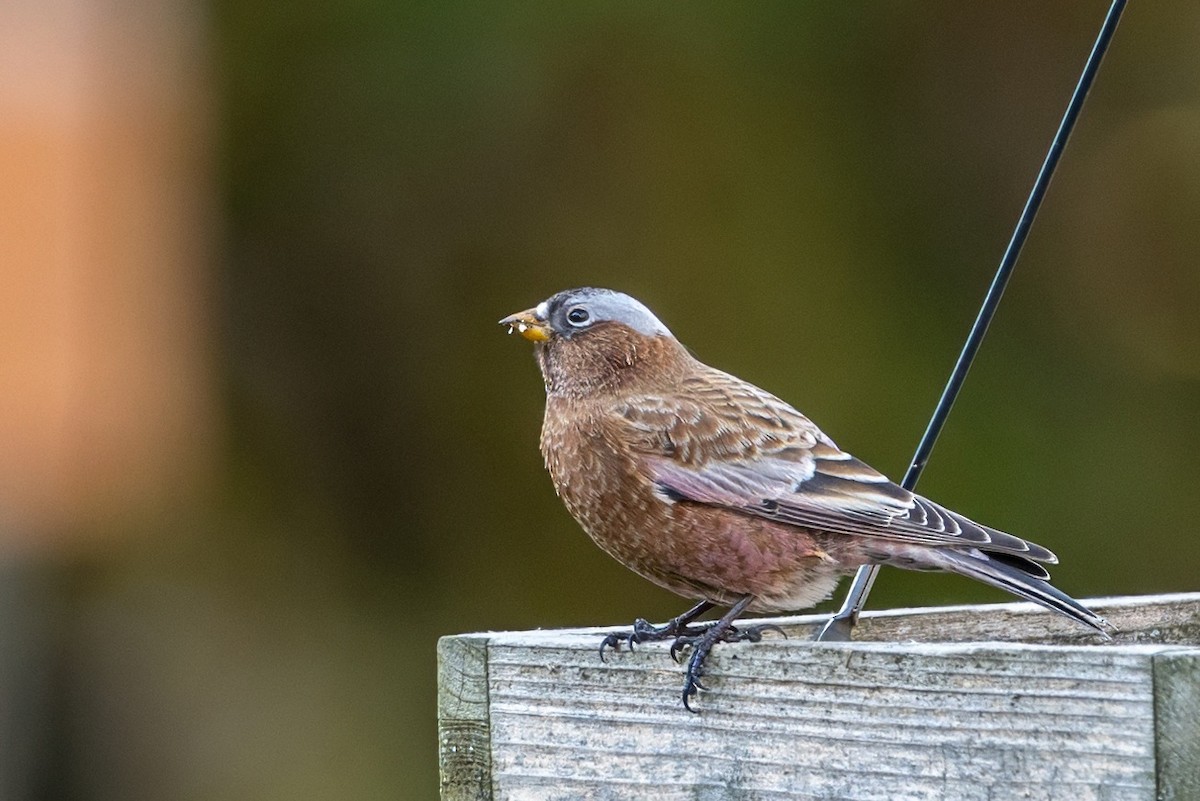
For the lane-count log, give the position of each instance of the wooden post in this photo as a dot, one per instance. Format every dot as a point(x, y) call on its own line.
point(970, 702)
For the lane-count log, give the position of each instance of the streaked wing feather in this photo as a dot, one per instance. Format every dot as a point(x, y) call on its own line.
point(868, 509)
point(721, 441)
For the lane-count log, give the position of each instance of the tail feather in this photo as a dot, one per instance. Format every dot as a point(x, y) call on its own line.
point(981, 566)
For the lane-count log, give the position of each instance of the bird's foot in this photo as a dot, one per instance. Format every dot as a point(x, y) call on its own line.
point(693, 640)
point(702, 643)
point(645, 631)
point(698, 639)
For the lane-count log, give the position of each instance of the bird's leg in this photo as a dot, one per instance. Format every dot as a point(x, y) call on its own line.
point(645, 631)
point(700, 644)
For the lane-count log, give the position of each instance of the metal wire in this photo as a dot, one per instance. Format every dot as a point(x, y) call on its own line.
point(839, 626)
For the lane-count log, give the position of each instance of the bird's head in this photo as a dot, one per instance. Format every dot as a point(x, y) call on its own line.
point(588, 340)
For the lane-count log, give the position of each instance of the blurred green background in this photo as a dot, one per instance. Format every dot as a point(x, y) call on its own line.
point(812, 196)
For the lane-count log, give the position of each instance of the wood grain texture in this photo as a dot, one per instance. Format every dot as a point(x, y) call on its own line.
point(464, 738)
point(1177, 720)
point(896, 718)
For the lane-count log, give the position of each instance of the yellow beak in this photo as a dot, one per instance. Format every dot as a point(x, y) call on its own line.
point(527, 325)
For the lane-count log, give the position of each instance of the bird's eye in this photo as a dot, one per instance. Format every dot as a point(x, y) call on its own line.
point(578, 316)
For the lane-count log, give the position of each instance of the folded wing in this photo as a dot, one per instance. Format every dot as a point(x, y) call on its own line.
point(727, 443)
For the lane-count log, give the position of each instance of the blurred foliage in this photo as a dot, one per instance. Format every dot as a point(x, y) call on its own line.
point(812, 196)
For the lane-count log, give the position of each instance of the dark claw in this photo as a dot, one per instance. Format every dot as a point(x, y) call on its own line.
point(690, 687)
point(692, 684)
point(645, 631)
point(612, 641)
point(755, 633)
point(680, 645)
point(699, 640)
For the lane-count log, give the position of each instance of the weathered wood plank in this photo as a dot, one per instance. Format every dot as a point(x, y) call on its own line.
point(1177, 724)
point(1160, 619)
point(464, 736)
point(891, 719)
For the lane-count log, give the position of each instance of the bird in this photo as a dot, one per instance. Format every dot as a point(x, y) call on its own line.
point(724, 494)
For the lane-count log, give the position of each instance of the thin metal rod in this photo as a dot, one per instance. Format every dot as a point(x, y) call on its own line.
point(839, 626)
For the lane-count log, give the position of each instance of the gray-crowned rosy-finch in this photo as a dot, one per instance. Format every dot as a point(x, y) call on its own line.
point(721, 492)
